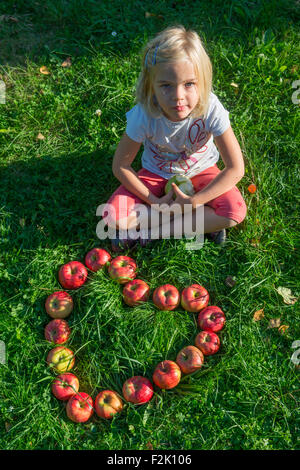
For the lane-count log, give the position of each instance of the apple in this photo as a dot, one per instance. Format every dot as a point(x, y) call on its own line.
point(194, 298)
point(122, 269)
point(107, 404)
point(135, 292)
point(80, 407)
point(190, 359)
point(184, 184)
point(61, 359)
point(167, 375)
point(97, 258)
point(65, 386)
point(211, 319)
point(57, 331)
point(138, 390)
point(207, 342)
point(166, 297)
point(72, 275)
point(59, 304)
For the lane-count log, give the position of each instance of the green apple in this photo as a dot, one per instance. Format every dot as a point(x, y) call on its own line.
point(184, 184)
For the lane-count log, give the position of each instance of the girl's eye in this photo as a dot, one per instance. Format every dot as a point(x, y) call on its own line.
point(189, 83)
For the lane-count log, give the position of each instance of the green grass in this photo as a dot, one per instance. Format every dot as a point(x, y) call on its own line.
point(245, 397)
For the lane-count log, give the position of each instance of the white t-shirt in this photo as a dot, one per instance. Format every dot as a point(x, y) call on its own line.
point(178, 148)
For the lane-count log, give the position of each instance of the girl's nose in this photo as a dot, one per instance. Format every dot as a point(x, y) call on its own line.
point(178, 93)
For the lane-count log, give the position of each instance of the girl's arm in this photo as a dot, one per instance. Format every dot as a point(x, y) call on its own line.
point(232, 157)
point(122, 170)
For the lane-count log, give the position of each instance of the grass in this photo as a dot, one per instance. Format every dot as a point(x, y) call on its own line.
point(245, 397)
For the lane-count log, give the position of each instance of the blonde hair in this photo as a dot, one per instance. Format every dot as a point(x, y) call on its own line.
point(171, 45)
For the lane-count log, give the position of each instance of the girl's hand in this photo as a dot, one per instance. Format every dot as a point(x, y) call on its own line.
point(166, 199)
point(181, 199)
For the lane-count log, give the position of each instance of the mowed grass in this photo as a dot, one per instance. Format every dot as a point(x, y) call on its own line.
point(246, 396)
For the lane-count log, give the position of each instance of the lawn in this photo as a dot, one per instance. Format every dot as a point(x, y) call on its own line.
point(55, 170)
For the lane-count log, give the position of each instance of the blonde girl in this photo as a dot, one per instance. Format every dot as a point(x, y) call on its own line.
point(184, 129)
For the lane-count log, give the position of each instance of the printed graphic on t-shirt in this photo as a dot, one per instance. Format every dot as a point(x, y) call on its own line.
point(194, 146)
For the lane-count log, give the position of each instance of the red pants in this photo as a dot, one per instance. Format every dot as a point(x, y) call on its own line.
point(230, 204)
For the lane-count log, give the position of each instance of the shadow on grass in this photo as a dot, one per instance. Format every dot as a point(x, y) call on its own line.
point(76, 28)
point(53, 200)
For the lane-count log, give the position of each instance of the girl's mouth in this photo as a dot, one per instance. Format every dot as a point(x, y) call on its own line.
point(179, 108)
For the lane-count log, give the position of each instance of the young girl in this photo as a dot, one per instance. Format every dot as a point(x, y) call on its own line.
point(178, 119)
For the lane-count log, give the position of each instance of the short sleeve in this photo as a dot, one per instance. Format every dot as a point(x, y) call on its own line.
point(137, 124)
point(218, 117)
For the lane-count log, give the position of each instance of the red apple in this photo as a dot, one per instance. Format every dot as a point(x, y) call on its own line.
point(207, 342)
point(135, 292)
point(138, 390)
point(107, 404)
point(72, 275)
point(166, 297)
point(190, 359)
point(97, 258)
point(61, 359)
point(167, 375)
point(59, 304)
point(211, 319)
point(194, 298)
point(80, 407)
point(65, 386)
point(57, 331)
point(122, 269)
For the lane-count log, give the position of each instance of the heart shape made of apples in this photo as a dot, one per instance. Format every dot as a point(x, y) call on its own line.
point(137, 389)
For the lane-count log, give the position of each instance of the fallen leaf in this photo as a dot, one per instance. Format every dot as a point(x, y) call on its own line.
point(229, 281)
point(235, 86)
point(287, 295)
point(67, 62)
point(283, 328)
point(7, 426)
point(274, 323)
point(252, 188)
point(255, 242)
point(40, 136)
point(12, 18)
point(149, 15)
point(149, 446)
point(259, 315)
point(22, 222)
point(44, 70)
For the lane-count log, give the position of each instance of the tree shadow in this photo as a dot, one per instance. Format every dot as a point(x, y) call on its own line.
point(35, 30)
point(53, 200)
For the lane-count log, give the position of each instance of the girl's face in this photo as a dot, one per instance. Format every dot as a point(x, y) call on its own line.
point(175, 88)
